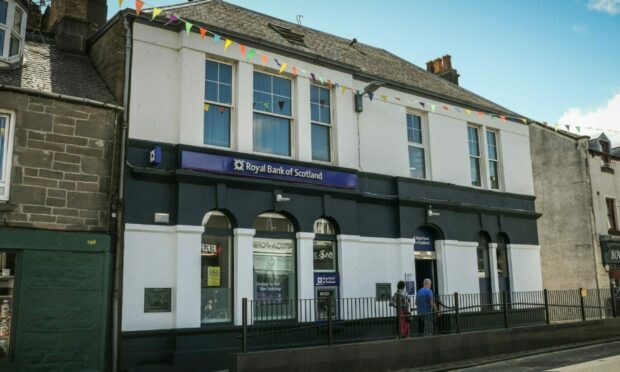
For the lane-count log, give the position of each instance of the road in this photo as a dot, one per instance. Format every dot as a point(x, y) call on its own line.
point(601, 357)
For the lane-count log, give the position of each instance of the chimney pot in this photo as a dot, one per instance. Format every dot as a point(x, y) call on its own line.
point(447, 62)
point(438, 67)
point(429, 66)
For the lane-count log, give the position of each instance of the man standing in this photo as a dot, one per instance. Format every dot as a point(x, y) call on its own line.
point(426, 305)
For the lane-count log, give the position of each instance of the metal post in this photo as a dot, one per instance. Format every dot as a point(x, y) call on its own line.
point(505, 307)
point(456, 312)
point(398, 317)
point(244, 325)
point(583, 308)
point(547, 317)
point(600, 306)
point(613, 303)
point(329, 320)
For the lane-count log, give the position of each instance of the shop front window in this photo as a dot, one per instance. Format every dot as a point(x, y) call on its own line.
point(7, 279)
point(502, 263)
point(216, 253)
point(484, 272)
point(274, 268)
point(324, 246)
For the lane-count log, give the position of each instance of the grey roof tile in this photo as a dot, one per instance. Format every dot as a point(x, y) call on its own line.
point(49, 70)
point(368, 59)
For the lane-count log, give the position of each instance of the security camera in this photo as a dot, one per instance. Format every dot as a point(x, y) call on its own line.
point(280, 198)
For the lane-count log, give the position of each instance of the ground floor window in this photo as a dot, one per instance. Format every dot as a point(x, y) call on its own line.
point(7, 280)
point(216, 269)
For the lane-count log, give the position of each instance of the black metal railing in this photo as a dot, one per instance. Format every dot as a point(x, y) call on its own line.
point(275, 324)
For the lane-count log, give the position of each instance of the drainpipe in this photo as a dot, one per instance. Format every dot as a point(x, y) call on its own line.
point(590, 193)
point(120, 228)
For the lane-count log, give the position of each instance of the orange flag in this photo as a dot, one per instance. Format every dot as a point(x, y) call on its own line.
point(139, 5)
point(263, 58)
point(203, 32)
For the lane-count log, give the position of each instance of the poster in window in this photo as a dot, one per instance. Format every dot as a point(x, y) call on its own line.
point(271, 287)
point(213, 276)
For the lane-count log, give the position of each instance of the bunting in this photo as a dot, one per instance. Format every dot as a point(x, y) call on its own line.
point(120, 3)
point(171, 18)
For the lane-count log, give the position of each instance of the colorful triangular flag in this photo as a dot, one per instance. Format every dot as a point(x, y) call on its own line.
point(207, 107)
point(156, 12)
point(216, 38)
point(242, 49)
point(120, 3)
point(294, 70)
point(282, 68)
point(171, 19)
point(433, 107)
point(578, 129)
point(139, 5)
point(263, 59)
point(251, 53)
point(384, 97)
point(203, 32)
point(370, 95)
point(227, 44)
point(188, 27)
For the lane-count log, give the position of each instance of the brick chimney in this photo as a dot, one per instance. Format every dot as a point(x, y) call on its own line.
point(74, 21)
point(442, 67)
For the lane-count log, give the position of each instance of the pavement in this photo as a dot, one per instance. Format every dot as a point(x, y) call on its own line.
point(600, 357)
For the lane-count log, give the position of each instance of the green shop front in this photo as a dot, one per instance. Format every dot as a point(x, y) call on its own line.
point(54, 300)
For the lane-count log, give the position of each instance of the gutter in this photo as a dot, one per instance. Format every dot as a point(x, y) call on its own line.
point(61, 97)
point(118, 262)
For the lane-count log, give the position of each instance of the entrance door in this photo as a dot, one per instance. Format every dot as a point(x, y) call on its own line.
point(426, 269)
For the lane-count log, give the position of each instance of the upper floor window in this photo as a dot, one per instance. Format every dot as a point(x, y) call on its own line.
point(417, 162)
point(493, 159)
point(12, 30)
point(218, 104)
point(272, 114)
point(605, 150)
point(474, 156)
point(320, 106)
point(612, 222)
point(6, 150)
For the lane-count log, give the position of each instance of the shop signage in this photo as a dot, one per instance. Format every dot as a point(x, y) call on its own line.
point(155, 156)
point(326, 279)
point(409, 284)
point(611, 252)
point(273, 247)
point(263, 169)
point(210, 249)
point(213, 276)
point(423, 240)
point(271, 287)
point(157, 300)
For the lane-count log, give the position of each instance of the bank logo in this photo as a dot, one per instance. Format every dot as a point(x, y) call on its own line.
point(238, 164)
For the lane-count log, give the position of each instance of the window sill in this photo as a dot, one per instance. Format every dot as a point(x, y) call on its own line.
point(607, 169)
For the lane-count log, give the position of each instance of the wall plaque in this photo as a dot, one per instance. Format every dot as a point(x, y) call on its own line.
point(157, 300)
point(384, 291)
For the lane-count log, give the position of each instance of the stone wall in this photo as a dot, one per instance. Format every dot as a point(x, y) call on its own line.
point(107, 53)
point(64, 163)
point(565, 230)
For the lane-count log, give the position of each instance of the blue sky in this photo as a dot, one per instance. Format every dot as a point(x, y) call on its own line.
point(547, 59)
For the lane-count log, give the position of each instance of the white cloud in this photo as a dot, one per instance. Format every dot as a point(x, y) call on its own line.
point(580, 29)
point(605, 6)
point(603, 119)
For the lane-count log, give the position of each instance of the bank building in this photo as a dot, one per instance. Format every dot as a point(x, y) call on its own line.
point(267, 160)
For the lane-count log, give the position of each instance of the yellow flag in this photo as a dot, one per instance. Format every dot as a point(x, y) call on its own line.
point(468, 112)
point(384, 98)
point(206, 107)
point(282, 68)
point(227, 44)
point(156, 12)
point(120, 3)
point(344, 89)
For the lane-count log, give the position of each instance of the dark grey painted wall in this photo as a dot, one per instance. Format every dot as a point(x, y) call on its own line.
point(382, 206)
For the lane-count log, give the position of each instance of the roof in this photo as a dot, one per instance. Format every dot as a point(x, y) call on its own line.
point(366, 59)
point(47, 69)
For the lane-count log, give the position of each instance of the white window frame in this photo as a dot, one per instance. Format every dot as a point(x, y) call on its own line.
point(488, 160)
point(481, 157)
point(330, 126)
point(424, 138)
point(7, 155)
point(8, 31)
point(292, 129)
point(231, 106)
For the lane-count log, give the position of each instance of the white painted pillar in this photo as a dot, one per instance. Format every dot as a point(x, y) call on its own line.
point(244, 115)
point(347, 263)
point(243, 269)
point(305, 276)
point(302, 128)
point(442, 272)
point(187, 270)
point(524, 267)
point(493, 267)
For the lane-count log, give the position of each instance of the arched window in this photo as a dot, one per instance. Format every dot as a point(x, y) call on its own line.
point(275, 277)
point(503, 274)
point(216, 268)
point(484, 267)
point(324, 246)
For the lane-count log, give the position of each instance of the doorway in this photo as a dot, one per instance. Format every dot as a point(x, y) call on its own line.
point(425, 269)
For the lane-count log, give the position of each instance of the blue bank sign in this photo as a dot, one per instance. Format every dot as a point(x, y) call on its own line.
point(264, 169)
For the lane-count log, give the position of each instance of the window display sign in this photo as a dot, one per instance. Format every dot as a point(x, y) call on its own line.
point(324, 257)
point(210, 249)
point(271, 287)
point(383, 291)
point(273, 246)
point(157, 300)
point(213, 276)
point(264, 169)
point(423, 240)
